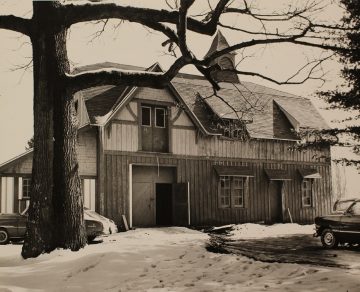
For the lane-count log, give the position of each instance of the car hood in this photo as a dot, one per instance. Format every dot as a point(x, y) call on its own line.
point(9, 216)
point(334, 217)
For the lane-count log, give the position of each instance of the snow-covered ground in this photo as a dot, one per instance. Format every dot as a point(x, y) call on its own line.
point(162, 259)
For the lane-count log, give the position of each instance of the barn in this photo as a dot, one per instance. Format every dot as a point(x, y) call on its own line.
point(183, 155)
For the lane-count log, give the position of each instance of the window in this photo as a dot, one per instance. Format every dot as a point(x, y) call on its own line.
point(232, 191)
point(307, 199)
point(76, 106)
point(160, 117)
point(238, 191)
point(225, 191)
point(26, 183)
point(88, 190)
point(355, 209)
point(146, 116)
point(154, 128)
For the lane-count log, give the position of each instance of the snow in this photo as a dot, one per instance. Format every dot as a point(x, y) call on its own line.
point(101, 120)
point(162, 259)
point(252, 231)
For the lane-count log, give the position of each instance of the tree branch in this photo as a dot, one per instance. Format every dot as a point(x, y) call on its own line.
point(112, 76)
point(89, 12)
point(15, 23)
point(289, 81)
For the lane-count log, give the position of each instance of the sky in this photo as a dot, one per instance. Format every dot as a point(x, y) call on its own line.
point(131, 43)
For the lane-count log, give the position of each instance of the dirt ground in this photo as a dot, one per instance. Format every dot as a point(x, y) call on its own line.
point(300, 249)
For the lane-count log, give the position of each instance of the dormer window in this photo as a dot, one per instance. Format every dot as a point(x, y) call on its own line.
point(154, 128)
point(225, 63)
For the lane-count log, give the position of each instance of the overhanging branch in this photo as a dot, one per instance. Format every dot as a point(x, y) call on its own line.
point(112, 76)
point(14, 23)
point(89, 12)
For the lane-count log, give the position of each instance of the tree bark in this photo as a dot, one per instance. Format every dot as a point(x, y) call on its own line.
point(56, 205)
point(39, 234)
point(68, 202)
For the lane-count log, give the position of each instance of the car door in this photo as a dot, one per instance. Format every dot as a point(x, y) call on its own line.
point(21, 226)
point(350, 222)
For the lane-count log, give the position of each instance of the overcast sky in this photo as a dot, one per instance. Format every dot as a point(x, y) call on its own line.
point(132, 44)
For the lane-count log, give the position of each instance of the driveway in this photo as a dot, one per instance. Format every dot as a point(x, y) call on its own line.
point(301, 249)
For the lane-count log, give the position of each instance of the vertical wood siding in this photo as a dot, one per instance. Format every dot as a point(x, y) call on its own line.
point(86, 152)
point(184, 141)
point(203, 189)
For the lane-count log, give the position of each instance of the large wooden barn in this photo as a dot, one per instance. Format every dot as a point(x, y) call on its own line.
point(182, 156)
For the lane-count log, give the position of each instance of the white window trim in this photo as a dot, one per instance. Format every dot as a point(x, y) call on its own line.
point(22, 192)
point(232, 201)
point(244, 185)
point(144, 106)
point(164, 110)
point(303, 190)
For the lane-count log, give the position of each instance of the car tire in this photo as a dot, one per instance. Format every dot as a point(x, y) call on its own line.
point(90, 238)
point(328, 239)
point(4, 236)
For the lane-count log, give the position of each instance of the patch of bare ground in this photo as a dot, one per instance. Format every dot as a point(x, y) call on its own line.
point(300, 249)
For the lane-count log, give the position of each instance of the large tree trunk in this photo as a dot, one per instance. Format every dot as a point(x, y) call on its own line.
point(56, 207)
point(39, 231)
point(68, 201)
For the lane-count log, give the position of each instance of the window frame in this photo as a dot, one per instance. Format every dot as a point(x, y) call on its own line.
point(232, 191)
point(26, 195)
point(155, 114)
point(222, 196)
point(307, 192)
point(242, 191)
point(150, 118)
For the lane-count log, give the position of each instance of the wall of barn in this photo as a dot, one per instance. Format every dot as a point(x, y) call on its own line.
point(204, 189)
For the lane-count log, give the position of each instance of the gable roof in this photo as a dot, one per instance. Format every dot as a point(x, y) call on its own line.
point(254, 103)
point(13, 161)
point(100, 100)
point(258, 105)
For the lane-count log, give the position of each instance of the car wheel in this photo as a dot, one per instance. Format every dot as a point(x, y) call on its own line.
point(91, 238)
point(328, 239)
point(4, 236)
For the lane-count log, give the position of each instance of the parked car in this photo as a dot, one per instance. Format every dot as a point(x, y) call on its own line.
point(340, 228)
point(13, 227)
point(109, 225)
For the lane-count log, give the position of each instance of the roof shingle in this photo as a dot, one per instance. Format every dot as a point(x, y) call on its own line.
point(261, 107)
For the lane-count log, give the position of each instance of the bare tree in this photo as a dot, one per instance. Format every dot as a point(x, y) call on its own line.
point(55, 215)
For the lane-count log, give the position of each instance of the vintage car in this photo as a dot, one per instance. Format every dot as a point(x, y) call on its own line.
point(340, 228)
point(13, 227)
point(108, 224)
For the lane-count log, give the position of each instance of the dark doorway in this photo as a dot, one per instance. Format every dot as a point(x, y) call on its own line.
point(275, 200)
point(164, 204)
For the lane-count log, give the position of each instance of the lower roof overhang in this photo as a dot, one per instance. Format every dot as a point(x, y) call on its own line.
point(309, 173)
point(243, 171)
point(277, 174)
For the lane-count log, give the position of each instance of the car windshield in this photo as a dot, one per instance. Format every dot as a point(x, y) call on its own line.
point(342, 206)
point(355, 209)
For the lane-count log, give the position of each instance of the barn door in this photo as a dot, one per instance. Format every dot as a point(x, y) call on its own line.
point(275, 201)
point(181, 204)
point(143, 202)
